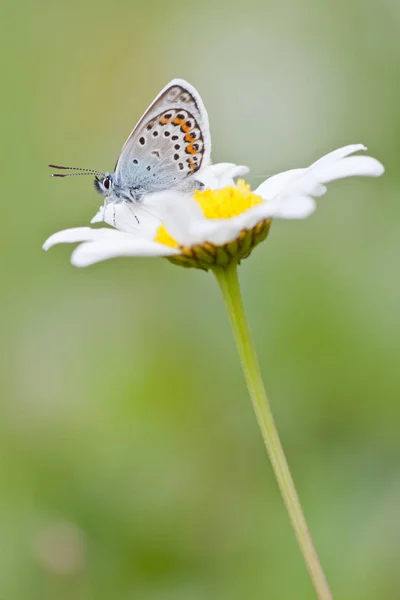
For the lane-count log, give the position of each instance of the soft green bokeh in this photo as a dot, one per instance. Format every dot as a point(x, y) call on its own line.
point(131, 462)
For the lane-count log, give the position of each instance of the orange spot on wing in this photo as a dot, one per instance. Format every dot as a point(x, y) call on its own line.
point(185, 127)
point(190, 149)
point(178, 121)
point(163, 121)
point(190, 137)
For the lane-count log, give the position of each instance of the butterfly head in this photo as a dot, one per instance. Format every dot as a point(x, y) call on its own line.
point(104, 184)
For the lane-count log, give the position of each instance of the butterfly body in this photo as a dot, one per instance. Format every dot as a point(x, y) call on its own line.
point(165, 150)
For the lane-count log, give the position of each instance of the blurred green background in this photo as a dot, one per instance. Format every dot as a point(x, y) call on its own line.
point(131, 462)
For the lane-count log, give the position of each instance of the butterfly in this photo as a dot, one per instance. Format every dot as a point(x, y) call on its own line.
point(165, 150)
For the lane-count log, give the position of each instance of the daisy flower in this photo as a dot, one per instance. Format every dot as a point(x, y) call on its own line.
point(217, 225)
point(214, 228)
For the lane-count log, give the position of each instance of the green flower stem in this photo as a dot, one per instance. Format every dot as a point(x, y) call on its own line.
point(228, 281)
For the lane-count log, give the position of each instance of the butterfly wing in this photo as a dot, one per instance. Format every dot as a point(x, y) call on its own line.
point(170, 143)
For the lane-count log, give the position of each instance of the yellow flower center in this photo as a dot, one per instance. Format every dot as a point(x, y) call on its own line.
point(228, 202)
point(163, 237)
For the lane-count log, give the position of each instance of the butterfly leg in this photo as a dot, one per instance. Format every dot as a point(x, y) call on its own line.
point(130, 208)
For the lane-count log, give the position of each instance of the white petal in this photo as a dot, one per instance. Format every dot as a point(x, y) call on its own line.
point(310, 181)
point(178, 211)
point(221, 175)
point(79, 234)
point(348, 167)
point(184, 219)
point(90, 253)
point(292, 207)
point(129, 217)
point(339, 153)
point(290, 182)
point(217, 231)
point(275, 184)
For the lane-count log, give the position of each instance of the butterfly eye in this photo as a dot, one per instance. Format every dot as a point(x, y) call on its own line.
point(107, 183)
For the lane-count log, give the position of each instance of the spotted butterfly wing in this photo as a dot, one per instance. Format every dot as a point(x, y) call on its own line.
point(170, 143)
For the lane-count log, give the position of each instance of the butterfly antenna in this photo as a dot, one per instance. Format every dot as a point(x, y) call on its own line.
point(82, 171)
